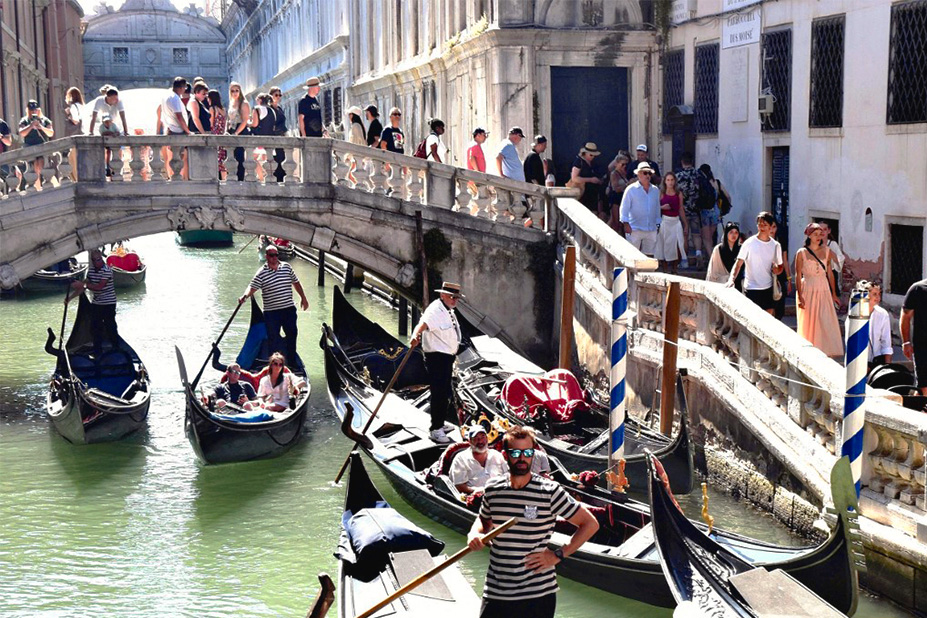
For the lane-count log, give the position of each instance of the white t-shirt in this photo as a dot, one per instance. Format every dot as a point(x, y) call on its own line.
point(442, 149)
point(171, 105)
point(443, 334)
point(759, 258)
point(466, 469)
point(100, 107)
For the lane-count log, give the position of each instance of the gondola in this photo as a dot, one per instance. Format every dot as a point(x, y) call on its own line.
point(128, 269)
point(286, 250)
point(621, 558)
point(96, 399)
point(55, 279)
point(715, 579)
point(236, 434)
point(205, 238)
point(483, 365)
point(366, 578)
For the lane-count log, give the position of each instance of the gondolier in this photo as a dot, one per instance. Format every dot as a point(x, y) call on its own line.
point(276, 281)
point(521, 580)
point(103, 304)
point(439, 333)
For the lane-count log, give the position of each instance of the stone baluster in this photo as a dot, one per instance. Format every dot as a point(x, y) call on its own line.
point(176, 164)
point(263, 170)
point(29, 176)
point(416, 186)
point(361, 174)
point(122, 170)
point(139, 162)
point(501, 205)
point(341, 169)
point(378, 178)
point(397, 181)
point(518, 208)
point(537, 211)
point(482, 201)
point(250, 165)
point(291, 165)
point(463, 197)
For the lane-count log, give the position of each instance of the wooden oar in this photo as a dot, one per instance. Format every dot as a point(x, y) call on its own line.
point(424, 577)
point(325, 598)
point(215, 345)
point(67, 293)
point(246, 244)
point(389, 387)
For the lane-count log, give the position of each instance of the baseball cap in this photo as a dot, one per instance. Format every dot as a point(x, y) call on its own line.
point(540, 139)
point(32, 104)
point(475, 431)
point(642, 147)
point(372, 109)
point(479, 130)
point(516, 131)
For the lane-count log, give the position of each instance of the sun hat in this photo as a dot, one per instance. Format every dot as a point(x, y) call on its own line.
point(312, 81)
point(450, 288)
point(590, 148)
point(643, 167)
point(354, 110)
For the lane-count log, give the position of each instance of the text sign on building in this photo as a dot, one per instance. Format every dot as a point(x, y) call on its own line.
point(743, 27)
point(682, 10)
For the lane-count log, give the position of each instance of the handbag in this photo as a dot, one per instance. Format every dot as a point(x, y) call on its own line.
point(776, 289)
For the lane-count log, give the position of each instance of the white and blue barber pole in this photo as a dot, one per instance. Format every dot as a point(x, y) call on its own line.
point(619, 360)
point(854, 409)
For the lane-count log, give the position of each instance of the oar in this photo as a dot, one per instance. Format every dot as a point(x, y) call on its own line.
point(246, 244)
point(421, 579)
point(325, 599)
point(67, 292)
point(389, 387)
point(214, 346)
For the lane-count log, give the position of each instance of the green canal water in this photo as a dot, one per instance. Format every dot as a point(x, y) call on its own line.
point(140, 529)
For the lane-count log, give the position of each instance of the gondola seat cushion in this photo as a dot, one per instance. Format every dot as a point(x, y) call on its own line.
point(249, 416)
point(129, 262)
point(113, 373)
point(557, 391)
point(377, 532)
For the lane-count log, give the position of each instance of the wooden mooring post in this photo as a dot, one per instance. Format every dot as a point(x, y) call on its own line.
point(321, 281)
point(566, 307)
point(403, 316)
point(670, 349)
point(348, 278)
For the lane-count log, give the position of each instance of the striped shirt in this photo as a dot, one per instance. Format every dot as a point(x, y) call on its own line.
point(106, 296)
point(276, 286)
point(536, 507)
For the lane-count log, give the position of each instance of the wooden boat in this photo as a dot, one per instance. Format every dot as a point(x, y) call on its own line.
point(54, 279)
point(128, 269)
point(96, 399)
point(484, 363)
point(286, 250)
point(365, 580)
point(235, 434)
point(205, 238)
point(621, 558)
point(702, 571)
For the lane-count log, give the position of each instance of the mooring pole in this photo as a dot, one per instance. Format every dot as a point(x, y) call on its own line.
point(321, 281)
point(566, 307)
point(670, 350)
point(423, 262)
point(857, 359)
point(348, 278)
point(403, 316)
point(619, 353)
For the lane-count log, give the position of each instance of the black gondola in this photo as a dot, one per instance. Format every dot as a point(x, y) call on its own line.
point(364, 580)
point(235, 434)
point(96, 398)
point(55, 278)
point(286, 250)
point(703, 572)
point(371, 350)
point(621, 558)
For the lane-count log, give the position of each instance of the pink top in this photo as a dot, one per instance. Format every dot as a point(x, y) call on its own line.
point(476, 151)
point(669, 205)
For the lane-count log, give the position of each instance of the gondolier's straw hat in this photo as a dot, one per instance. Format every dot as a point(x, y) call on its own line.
point(450, 288)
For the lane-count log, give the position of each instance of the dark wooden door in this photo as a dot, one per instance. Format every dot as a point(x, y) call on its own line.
point(588, 104)
point(780, 193)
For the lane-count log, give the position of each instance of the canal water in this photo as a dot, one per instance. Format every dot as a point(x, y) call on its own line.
point(140, 529)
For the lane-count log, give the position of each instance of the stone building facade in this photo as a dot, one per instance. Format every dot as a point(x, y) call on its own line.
point(146, 43)
point(843, 134)
point(40, 45)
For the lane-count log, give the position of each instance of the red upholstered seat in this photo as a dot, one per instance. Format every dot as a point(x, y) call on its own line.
point(558, 391)
point(130, 261)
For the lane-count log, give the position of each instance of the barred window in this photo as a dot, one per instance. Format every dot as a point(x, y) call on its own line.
point(706, 88)
point(181, 55)
point(907, 63)
point(120, 55)
point(777, 78)
point(327, 107)
point(827, 36)
point(336, 103)
point(907, 255)
point(673, 79)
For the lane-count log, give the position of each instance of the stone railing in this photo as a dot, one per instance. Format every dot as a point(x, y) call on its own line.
point(159, 159)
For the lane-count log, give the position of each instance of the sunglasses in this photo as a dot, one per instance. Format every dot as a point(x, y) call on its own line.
point(276, 364)
point(647, 173)
point(397, 115)
point(234, 371)
point(277, 96)
point(515, 453)
point(272, 254)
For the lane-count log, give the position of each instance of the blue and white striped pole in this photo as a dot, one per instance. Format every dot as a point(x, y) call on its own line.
point(857, 359)
point(619, 360)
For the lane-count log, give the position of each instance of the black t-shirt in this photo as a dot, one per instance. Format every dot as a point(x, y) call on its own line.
point(4, 131)
point(311, 111)
point(916, 300)
point(233, 392)
point(374, 131)
point(534, 168)
point(280, 121)
point(394, 139)
point(35, 136)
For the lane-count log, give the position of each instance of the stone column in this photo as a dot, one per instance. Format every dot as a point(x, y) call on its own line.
point(440, 185)
point(90, 162)
point(317, 160)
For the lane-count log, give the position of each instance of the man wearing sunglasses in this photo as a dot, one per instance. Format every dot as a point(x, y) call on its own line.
point(103, 304)
point(521, 580)
point(640, 210)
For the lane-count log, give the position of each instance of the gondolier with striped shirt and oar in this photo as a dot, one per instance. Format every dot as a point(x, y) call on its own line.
point(276, 281)
point(103, 304)
point(521, 580)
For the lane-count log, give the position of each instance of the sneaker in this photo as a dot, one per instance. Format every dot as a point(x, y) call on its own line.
point(439, 436)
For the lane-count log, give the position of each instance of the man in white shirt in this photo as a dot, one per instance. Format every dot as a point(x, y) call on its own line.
point(473, 468)
point(109, 105)
point(880, 326)
point(763, 259)
point(640, 210)
point(172, 116)
point(439, 333)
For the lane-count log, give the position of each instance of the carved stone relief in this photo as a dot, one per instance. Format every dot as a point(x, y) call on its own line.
point(8, 277)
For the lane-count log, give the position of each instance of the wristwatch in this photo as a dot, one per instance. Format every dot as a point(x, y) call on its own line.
point(559, 553)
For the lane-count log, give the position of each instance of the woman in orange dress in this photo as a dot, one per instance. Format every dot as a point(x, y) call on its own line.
point(817, 302)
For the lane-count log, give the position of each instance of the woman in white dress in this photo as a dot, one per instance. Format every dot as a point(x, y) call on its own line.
point(278, 385)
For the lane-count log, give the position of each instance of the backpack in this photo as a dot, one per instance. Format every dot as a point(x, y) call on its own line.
point(707, 198)
point(724, 204)
point(420, 152)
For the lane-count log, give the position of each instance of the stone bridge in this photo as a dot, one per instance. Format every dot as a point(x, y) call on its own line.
point(756, 389)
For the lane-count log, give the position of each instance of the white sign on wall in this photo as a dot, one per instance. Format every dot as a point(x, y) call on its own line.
point(742, 28)
point(682, 10)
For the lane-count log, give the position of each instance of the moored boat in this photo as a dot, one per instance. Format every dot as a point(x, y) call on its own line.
point(621, 558)
point(236, 434)
point(128, 268)
point(56, 278)
point(286, 250)
point(205, 238)
point(96, 398)
point(368, 573)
